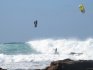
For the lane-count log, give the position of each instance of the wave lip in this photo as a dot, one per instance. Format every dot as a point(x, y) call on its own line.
point(62, 45)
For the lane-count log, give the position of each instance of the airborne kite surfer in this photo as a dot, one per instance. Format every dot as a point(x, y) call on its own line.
point(35, 23)
point(81, 7)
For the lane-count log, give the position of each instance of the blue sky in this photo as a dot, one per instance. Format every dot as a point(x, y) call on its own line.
point(56, 19)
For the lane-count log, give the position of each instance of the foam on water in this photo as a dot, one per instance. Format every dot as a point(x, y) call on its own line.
point(67, 48)
point(64, 47)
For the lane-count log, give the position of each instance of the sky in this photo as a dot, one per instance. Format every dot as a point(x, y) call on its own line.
point(56, 19)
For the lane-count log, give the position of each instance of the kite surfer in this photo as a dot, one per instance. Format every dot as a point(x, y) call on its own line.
point(35, 23)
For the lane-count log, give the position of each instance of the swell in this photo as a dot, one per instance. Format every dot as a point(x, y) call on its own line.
point(15, 48)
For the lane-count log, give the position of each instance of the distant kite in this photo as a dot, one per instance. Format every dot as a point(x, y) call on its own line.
point(35, 23)
point(81, 7)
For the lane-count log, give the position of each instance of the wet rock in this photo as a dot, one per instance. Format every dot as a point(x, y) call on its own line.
point(69, 64)
point(2, 69)
point(73, 53)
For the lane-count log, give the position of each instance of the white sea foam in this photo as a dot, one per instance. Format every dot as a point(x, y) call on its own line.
point(67, 48)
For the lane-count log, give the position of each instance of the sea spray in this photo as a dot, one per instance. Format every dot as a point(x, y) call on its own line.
point(62, 45)
point(39, 53)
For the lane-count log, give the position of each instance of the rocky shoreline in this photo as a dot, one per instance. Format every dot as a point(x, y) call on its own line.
point(69, 64)
point(2, 69)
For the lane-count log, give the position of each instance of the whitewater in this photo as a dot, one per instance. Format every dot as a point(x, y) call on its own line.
point(37, 54)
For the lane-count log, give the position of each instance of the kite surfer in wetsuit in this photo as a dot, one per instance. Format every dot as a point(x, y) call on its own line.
point(81, 7)
point(35, 23)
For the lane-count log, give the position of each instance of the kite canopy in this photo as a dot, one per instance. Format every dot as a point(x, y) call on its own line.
point(81, 7)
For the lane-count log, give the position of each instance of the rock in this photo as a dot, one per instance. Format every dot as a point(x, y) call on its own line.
point(73, 53)
point(2, 69)
point(69, 64)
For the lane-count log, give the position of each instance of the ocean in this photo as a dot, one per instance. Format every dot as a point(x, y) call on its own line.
point(37, 54)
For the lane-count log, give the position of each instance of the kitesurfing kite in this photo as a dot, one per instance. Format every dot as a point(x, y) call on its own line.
point(81, 7)
point(35, 23)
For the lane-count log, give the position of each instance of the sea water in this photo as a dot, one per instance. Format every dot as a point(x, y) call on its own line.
point(37, 54)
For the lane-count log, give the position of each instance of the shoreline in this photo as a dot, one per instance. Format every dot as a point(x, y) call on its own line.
point(66, 64)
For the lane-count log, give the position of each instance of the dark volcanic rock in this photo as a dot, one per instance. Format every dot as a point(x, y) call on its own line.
point(73, 53)
point(69, 64)
point(2, 69)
